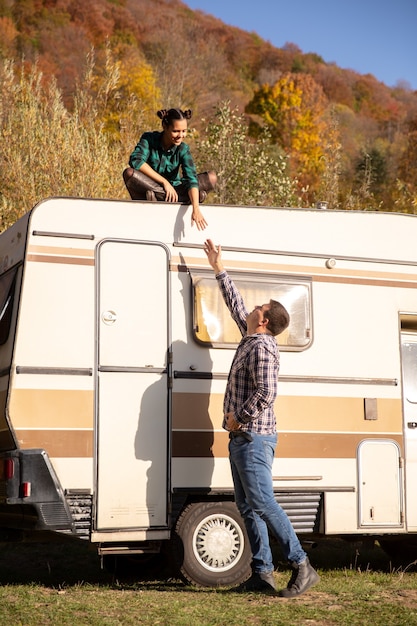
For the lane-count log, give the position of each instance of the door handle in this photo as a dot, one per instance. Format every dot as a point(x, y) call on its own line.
point(109, 317)
point(412, 424)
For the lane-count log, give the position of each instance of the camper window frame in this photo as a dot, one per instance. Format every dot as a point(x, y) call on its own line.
point(240, 278)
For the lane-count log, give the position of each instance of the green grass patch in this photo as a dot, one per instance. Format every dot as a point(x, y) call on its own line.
point(51, 584)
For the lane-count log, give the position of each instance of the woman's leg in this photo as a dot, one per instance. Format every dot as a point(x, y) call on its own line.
point(138, 184)
point(206, 183)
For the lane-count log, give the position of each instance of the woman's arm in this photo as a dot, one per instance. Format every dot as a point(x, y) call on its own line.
point(197, 217)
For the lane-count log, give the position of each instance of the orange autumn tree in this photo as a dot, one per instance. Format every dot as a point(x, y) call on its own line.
point(293, 110)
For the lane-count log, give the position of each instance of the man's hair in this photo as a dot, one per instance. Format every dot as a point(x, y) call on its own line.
point(278, 318)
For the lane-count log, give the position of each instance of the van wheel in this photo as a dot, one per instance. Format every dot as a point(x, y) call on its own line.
point(211, 546)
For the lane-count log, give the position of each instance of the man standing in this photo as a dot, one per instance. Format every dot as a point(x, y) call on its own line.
point(249, 417)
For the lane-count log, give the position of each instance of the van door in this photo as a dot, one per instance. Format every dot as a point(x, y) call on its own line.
point(132, 399)
point(409, 388)
point(379, 483)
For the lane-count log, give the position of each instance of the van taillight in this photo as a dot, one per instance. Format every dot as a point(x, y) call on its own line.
point(26, 489)
point(8, 469)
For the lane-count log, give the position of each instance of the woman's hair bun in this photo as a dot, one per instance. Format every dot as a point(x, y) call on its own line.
point(169, 115)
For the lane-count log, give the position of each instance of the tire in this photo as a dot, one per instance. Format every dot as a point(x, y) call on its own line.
point(212, 547)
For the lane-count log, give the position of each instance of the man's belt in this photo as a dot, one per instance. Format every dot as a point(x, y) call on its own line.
point(240, 433)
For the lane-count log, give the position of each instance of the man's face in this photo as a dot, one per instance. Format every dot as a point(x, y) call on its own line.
point(255, 317)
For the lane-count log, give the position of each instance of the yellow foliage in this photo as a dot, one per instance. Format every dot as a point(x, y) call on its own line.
point(131, 97)
point(293, 110)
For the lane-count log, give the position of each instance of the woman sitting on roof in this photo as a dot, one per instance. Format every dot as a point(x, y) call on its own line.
point(162, 168)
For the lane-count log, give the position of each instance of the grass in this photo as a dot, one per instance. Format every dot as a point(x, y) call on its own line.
point(60, 584)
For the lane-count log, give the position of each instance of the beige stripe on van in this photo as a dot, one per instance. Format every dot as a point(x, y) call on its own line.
point(52, 408)
point(55, 254)
point(340, 414)
point(60, 251)
point(203, 411)
point(318, 273)
point(39, 258)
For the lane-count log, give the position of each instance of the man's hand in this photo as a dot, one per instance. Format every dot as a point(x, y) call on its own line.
point(214, 255)
point(231, 423)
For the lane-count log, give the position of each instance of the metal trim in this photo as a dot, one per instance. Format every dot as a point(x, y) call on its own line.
point(132, 370)
point(312, 255)
point(280, 489)
point(61, 371)
point(295, 379)
point(45, 233)
point(276, 478)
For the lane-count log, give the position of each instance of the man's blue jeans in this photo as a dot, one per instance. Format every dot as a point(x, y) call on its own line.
point(251, 463)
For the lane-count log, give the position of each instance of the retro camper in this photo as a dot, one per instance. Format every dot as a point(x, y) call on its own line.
point(114, 351)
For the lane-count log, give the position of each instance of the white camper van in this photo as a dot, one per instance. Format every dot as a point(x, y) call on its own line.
point(115, 347)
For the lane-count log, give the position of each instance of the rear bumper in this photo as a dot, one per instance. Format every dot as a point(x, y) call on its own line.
point(31, 496)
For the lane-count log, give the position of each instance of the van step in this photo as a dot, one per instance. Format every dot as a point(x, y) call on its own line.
point(80, 505)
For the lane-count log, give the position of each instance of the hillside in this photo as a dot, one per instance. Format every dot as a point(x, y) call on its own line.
point(171, 55)
point(198, 60)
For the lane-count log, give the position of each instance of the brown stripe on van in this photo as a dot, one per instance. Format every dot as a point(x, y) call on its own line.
point(290, 445)
point(192, 444)
point(325, 445)
point(197, 411)
point(58, 443)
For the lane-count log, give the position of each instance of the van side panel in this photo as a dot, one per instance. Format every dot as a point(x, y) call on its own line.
point(340, 398)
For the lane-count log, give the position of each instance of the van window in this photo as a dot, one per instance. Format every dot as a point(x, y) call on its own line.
point(7, 287)
point(213, 324)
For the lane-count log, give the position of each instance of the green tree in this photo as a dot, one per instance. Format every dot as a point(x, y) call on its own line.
point(249, 172)
point(329, 189)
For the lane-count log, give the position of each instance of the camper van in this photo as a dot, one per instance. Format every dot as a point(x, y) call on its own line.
point(115, 346)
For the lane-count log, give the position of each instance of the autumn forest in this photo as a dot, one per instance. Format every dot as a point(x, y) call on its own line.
point(80, 81)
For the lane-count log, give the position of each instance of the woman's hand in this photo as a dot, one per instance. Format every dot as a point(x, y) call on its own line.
point(198, 219)
point(170, 193)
